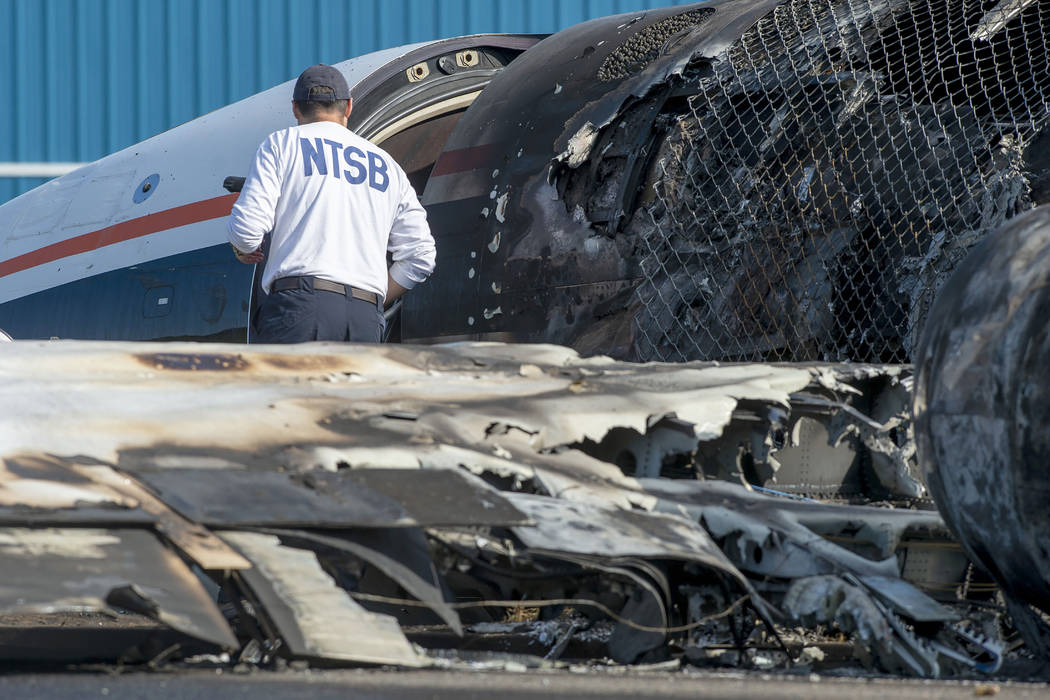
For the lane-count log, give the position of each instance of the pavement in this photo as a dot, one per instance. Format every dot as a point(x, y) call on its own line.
point(466, 685)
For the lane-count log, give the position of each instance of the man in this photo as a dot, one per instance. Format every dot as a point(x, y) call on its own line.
point(334, 204)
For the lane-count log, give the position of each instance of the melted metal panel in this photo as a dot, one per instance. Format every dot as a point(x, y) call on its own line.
point(401, 554)
point(228, 497)
point(359, 498)
point(316, 618)
point(579, 528)
point(50, 570)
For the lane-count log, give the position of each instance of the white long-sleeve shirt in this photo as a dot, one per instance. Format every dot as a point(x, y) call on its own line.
point(335, 205)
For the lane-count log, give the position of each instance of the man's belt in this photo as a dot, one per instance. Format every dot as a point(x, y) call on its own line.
point(325, 286)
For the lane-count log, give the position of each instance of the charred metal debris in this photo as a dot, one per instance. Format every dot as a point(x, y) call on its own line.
point(405, 506)
point(801, 190)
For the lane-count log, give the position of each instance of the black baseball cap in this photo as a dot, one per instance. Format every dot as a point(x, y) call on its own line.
point(321, 76)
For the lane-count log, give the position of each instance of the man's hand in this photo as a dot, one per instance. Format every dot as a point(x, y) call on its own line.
point(393, 291)
point(251, 258)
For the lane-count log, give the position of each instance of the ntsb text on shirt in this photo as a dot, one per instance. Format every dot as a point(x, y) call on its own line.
point(315, 161)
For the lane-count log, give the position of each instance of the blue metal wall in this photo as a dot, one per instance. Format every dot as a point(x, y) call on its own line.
point(83, 78)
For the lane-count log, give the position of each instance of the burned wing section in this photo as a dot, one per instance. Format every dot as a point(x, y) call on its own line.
point(399, 505)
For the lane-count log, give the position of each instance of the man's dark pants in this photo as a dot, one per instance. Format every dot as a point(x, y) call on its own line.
point(304, 314)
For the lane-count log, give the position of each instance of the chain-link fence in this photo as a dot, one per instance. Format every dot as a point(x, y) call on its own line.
point(831, 170)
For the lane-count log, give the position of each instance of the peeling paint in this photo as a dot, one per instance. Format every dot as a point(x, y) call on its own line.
point(501, 207)
point(580, 145)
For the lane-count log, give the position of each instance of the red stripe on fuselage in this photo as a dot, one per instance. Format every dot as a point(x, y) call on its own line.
point(464, 159)
point(125, 231)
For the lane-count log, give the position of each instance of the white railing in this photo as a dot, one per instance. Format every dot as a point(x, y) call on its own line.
point(37, 169)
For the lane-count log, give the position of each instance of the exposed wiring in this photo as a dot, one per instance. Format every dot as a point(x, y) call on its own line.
point(783, 494)
point(577, 602)
point(481, 563)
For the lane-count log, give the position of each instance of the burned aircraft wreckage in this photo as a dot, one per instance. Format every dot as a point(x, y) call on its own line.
point(757, 181)
point(335, 492)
